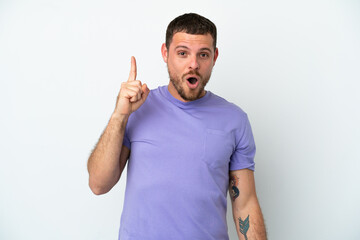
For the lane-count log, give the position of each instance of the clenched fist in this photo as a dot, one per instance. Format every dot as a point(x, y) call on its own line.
point(132, 93)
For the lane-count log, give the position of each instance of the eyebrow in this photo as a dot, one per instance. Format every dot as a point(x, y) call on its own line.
point(205, 49)
point(201, 49)
point(181, 46)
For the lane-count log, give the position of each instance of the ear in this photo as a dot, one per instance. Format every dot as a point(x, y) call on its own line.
point(216, 55)
point(164, 52)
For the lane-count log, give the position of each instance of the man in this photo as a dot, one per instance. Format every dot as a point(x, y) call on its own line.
point(185, 147)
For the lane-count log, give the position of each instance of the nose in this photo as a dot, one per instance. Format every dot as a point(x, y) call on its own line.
point(194, 64)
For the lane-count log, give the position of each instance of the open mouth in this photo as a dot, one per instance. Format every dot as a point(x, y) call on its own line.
point(192, 80)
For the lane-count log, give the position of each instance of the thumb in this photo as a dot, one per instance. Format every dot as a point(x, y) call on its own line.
point(145, 91)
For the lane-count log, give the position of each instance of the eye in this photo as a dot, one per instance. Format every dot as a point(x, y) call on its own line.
point(204, 55)
point(182, 54)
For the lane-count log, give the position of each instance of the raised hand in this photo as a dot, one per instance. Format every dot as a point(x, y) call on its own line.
point(132, 93)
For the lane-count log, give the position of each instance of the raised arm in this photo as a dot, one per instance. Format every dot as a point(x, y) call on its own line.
point(246, 210)
point(109, 156)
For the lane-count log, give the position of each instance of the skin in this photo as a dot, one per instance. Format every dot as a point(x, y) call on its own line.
point(107, 160)
point(247, 204)
point(188, 55)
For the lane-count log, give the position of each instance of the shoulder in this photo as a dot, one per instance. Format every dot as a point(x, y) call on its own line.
point(226, 107)
point(152, 105)
point(156, 94)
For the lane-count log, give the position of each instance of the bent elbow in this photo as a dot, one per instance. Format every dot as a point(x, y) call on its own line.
point(96, 189)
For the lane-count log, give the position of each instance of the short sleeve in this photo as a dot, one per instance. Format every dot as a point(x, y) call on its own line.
point(243, 156)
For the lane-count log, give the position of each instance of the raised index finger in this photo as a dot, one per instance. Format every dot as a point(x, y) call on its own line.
point(132, 75)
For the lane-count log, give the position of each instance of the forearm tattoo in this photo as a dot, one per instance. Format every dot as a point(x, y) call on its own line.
point(244, 226)
point(234, 191)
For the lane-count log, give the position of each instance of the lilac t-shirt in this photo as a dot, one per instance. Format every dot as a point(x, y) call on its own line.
point(178, 170)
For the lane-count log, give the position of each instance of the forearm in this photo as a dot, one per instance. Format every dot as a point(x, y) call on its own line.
point(249, 221)
point(247, 214)
point(104, 162)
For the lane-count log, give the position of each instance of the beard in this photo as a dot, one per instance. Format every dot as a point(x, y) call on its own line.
point(192, 94)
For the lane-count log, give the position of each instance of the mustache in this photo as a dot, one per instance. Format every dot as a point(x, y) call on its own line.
point(192, 72)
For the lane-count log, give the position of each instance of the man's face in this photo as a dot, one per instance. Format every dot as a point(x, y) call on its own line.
point(190, 59)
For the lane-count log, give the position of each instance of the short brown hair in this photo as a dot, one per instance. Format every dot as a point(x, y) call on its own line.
point(190, 23)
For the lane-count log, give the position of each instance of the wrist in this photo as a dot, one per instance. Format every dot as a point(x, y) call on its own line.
point(119, 117)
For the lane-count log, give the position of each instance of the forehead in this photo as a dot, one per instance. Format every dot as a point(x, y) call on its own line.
point(192, 40)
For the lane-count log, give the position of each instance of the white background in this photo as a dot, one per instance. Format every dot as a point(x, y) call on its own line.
point(293, 66)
